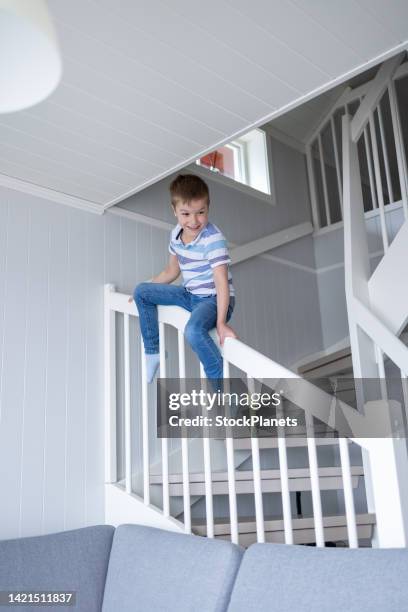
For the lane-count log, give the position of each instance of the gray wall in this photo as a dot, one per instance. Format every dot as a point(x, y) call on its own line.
point(54, 261)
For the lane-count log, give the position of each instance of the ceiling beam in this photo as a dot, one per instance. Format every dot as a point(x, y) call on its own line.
point(261, 245)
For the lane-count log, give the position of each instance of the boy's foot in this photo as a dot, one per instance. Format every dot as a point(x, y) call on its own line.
point(152, 365)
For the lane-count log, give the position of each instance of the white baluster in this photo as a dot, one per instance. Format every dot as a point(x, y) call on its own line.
point(232, 494)
point(209, 507)
point(399, 147)
point(314, 480)
point(164, 442)
point(284, 478)
point(184, 443)
point(378, 181)
point(145, 430)
point(337, 162)
point(128, 430)
point(348, 493)
point(385, 153)
point(324, 179)
point(370, 168)
point(110, 386)
point(256, 468)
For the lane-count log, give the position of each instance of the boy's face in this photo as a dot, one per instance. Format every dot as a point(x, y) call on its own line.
point(192, 216)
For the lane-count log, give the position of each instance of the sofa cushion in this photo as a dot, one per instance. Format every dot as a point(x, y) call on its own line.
point(151, 569)
point(70, 561)
point(280, 578)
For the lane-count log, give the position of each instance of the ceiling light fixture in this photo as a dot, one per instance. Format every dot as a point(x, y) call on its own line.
point(30, 62)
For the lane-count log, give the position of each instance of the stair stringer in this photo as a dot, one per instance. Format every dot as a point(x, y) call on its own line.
point(121, 507)
point(387, 286)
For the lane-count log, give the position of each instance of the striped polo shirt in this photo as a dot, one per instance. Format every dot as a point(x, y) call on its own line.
point(198, 258)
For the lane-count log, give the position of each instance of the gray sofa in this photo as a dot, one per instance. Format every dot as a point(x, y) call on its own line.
point(141, 569)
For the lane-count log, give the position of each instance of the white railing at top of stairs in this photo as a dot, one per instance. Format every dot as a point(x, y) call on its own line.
point(376, 317)
point(323, 151)
point(255, 366)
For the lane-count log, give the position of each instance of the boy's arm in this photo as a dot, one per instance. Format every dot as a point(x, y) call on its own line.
point(168, 275)
point(220, 274)
point(170, 272)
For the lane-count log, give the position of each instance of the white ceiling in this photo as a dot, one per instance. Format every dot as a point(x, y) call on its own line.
point(149, 85)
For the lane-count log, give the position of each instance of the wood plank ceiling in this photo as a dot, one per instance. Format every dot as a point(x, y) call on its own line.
point(150, 85)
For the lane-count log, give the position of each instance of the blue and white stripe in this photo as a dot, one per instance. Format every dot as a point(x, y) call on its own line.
point(198, 258)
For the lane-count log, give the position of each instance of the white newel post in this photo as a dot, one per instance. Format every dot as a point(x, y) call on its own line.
point(385, 460)
point(110, 386)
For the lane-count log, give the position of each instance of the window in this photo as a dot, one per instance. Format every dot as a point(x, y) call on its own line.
point(244, 160)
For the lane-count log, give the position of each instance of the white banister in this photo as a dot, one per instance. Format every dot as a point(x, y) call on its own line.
point(311, 399)
point(128, 424)
point(385, 461)
point(232, 494)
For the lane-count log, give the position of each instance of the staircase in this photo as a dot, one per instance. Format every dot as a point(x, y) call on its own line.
point(346, 491)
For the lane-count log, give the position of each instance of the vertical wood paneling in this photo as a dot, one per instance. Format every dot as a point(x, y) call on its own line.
point(95, 451)
point(13, 382)
point(36, 347)
point(57, 365)
point(76, 408)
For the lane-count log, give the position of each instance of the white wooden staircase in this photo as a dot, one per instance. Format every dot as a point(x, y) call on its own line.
point(199, 486)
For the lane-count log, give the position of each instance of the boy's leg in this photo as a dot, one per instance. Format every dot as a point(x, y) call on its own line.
point(147, 297)
point(203, 318)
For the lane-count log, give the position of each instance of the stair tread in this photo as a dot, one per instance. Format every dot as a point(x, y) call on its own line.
point(269, 442)
point(269, 474)
point(222, 525)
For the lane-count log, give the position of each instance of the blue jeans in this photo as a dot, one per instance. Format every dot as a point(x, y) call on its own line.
point(203, 318)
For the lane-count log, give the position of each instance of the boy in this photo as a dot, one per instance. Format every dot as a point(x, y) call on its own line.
point(198, 250)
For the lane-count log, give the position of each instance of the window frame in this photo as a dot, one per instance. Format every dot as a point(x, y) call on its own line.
point(208, 174)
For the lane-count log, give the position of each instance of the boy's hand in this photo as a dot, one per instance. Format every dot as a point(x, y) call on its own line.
point(130, 300)
point(225, 331)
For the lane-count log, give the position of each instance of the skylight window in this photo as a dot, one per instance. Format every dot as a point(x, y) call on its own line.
point(244, 160)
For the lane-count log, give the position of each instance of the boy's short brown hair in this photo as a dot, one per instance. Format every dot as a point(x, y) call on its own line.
point(187, 187)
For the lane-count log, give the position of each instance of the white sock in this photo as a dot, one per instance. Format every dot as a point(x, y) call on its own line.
point(152, 365)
